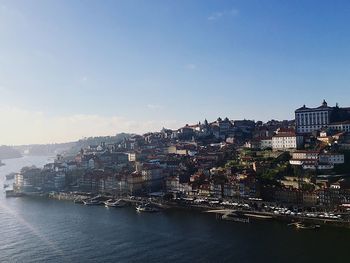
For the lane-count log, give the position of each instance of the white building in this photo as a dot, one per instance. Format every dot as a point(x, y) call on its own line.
point(285, 141)
point(132, 157)
point(312, 119)
point(23, 183)
point(305, 155)
point(307, 159)
point(265, 143)
point(316, 160)
point(318, 166)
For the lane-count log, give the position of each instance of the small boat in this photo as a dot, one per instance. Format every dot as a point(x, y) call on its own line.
point(257, 216)
point(6, 186)
point(299, 225)
point(304, 226)
point(236, 218)
point(113, 203)
point(147, 208)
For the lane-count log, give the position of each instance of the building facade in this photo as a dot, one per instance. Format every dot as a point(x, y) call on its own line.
point(340, 126)
point(308, 120)
point(285, 141)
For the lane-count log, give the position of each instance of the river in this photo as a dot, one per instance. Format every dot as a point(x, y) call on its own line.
point(42, 230)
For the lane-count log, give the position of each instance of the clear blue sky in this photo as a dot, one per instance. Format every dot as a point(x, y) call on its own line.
point(136, 65)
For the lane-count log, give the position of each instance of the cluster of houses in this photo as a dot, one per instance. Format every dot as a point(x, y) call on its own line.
point(327, 191)
point(181, 161)
point(205, 159)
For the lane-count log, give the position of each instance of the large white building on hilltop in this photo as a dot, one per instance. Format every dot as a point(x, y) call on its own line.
point(308, 120)
point(312, 119)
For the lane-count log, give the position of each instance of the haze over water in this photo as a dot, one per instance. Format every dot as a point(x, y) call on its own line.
point(42, 230)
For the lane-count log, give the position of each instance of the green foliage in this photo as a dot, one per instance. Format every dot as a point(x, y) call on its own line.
point(248, 152)
point(284, 157)
point(307, 187)
point(231, 163)
point(269, 174)
point(278, 172)
point(297, 171)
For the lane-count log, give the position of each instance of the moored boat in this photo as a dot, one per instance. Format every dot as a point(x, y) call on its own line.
point(300, 225)
point(236, 218)
point(92, 202)
point(115, 203)
point(258, 216)
point(147, 208)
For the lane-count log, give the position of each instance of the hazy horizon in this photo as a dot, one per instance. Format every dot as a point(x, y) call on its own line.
point(74, 69)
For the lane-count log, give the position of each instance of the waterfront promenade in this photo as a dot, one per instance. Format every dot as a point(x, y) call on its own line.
point(267, 212)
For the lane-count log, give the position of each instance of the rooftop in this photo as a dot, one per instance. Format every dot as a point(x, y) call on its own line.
point(324, 106)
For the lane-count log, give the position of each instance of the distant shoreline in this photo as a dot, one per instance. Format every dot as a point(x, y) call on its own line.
point(10, 158)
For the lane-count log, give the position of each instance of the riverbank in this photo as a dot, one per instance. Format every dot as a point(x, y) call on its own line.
point(218, 209)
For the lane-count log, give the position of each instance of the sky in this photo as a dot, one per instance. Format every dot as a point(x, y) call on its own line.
point(71, 69)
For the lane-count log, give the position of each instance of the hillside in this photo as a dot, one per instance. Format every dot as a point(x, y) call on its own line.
point(7, 152)
point(69, 148)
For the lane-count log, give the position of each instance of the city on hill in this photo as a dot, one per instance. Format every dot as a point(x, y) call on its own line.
point(304, 162)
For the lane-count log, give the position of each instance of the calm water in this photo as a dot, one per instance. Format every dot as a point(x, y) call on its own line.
point(39, 230)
